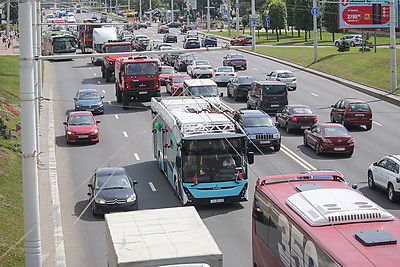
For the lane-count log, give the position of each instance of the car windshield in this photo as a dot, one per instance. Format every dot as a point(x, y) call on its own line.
point(180, 79)
point(273, 89)
point(301, 110)
point(167, 70)
point(202, 62)
point(285, 75)
point(118, 48)
point(81, 120)
point(359, 107)
point(144, 68)
point(112, 181)
point(88, 95)
point(335, 131)
point(225, 69)
point(258, 122)
point(204, 90)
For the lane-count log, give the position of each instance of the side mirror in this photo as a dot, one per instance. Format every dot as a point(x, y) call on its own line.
point(65, 123)
point(332, 106)
point(97, 121)
point(75, 99)
point(134, 182)
point(102, 96)
point(375, 164)
point(90, 185)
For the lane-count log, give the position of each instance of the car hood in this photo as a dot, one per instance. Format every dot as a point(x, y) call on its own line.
point(261, 130)
point(88, 102)
point(111, 194)
point(82, 128)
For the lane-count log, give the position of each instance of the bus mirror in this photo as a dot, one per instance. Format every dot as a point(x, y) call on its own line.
point(250, 157)
point(178, 161)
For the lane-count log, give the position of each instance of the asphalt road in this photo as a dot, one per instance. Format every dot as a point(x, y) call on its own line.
point(73, 237)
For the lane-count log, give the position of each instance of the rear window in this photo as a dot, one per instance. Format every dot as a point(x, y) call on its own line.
point(237, 56)
point(285, 75)
point(274, 89)
point(247, 80)
point(335, 131)
point(359, 107)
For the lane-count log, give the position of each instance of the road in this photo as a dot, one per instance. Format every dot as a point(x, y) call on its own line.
point(126, 141)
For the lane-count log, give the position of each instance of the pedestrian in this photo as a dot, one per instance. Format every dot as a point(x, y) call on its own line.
point(9, 42)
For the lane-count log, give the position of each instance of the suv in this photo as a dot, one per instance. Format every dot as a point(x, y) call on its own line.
point(182, 61)
point(267, 95)
point(260, 129)
point(352, 111)
point(385, 174)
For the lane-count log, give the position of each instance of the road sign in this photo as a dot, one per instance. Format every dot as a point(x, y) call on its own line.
point(253, 22)
point(254, 16)
point(268, 24)
point(237, 5)
point(267, 18)
point(314, 11)
point(226, 11)
point(187, 3)
point(225, 17)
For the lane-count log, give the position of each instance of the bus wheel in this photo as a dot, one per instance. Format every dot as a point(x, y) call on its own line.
point(125, 101)
point(119, 96)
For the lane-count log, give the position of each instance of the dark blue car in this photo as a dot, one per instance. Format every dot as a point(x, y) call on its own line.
point(191, 43)
point(89, 100)
point(209, 40)
point(260, 129)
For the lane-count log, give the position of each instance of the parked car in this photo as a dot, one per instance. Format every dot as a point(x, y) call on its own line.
point(239, 87)
point(209, 40)
point(165, 72)
point(174, 24)
point(351, 39)
point(182, 61)
point(81, 126)
point(191, 43)
point(269, 96)
point(295, 117)
point(241, 39)
point(110, 190)
point(329, 138)
point(199, 69)
point(174, 83)
point(385, 174)
point(259, 128)
point(163, 29)
point(352, 111)
point(89, 100)
point(223, 74)
point(170, 38)
point(238, 61)
point(285, 76)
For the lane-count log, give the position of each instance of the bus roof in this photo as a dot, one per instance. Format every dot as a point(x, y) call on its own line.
point(347, 225)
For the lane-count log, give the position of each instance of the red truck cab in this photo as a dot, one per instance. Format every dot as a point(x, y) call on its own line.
point(107, 68)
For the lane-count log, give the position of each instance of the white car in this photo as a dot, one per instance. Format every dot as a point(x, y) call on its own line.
point(200, 69)
point(222, 75)
point(385, 174)
point(285, 76)
point(351, 39)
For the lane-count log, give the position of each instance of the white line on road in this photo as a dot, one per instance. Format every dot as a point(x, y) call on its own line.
point(104, 91)
point(313, 94)
point(136, 156)
point(109, 102)
point(255, 69)
point(98, 82)
point(153, 188)
point(94, 74)
point(116, 117)
point(377, 123)
point(125, 134)
point(297, 158)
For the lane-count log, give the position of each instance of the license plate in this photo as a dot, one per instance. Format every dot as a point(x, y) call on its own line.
point(265, 142)
point(274, 106)
point(142, 93)
point(304, 127)
point(339, 148)
point(83, 136)
point(360, 115)
point(90, 109)
point(221, 200)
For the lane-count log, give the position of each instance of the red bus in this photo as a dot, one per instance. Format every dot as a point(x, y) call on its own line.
point(299, 220)
point(86, 35)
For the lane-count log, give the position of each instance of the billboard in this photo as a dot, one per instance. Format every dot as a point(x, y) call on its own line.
point(366, 14)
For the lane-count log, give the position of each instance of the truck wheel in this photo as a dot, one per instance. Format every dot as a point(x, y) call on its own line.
point(108, 75)
point(125, 101)
point(103, 75)
point(119, 96)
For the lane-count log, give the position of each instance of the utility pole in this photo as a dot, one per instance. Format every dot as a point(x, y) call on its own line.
point(33, 253)
point(208, 16)
point(253, 32)
point(314, 12)
point(393, 68)
point(8, 18)
point(237, 17)
point(172, 10)
point(140, 10)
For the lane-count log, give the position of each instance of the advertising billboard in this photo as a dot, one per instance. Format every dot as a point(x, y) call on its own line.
point(366, 14)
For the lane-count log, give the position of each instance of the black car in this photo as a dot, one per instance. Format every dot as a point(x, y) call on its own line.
point(270, 96)
point(191, 43)
point(174, 24)
point(111, 189)
point(182, 61)
point(170, 38)
point(239, 86)
point(238, 61)
point(169, 58)
point(259, 128)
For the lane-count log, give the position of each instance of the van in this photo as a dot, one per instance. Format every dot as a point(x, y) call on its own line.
point(206, 88)
point(269, 96)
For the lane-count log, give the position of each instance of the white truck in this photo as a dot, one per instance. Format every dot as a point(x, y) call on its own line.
point(160, 237)
point(101, 36)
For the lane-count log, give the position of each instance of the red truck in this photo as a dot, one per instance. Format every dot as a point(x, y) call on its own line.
point(107, 68)
point(85, 35)
point(137, 78)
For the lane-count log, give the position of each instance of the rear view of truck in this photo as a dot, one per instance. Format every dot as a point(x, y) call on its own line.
point(160, 237)
point(100, 37)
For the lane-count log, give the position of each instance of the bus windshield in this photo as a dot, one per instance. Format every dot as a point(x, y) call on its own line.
point(144, 68)
point(64, 44)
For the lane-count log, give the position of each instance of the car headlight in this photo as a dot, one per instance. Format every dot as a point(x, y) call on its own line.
point(131, 198)
point(78, 106)
point(100, 201)
point(252, 136)
point(276, 135)
point(95, 131)
point(70, 133)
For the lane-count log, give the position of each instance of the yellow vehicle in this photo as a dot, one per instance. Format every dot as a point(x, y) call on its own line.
point(131, 16)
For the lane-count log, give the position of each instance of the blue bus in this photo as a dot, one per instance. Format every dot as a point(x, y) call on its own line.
point(201, 150)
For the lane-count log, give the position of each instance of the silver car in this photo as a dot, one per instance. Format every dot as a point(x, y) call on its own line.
point(351, 39)
point(222, 75)
point(285, 76)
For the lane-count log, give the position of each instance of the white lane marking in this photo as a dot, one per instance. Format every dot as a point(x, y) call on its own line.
point(104, 91)
point(109, 102)
point(90, 68)
point(153, 188)
point(94, 74)
point(136, 156)
point(377, 123)
point(125, 134)
point(116, 116)
point(255, 69)
point(297, 158)
point(98, 82)
point(313, 94)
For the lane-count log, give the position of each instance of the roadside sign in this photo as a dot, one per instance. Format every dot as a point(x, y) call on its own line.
point(314, 11)
point(237, 5)
point(225, 17)
point(267, 18)
point(268, 24)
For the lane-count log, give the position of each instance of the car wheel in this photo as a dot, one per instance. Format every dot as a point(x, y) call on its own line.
point(317, 149)
point(94, 212)
point(277, 147)
point(369, 127)
point(108, 75)
point(332, 118)
point(228, 93)
point(342, 122)
point(288, 130)
point(371, 182)
point(244, 67)
point(352, 44)
point(337, 44)
point(391, 193)
point(235, 97)
point(305, 142)
point(119, 96)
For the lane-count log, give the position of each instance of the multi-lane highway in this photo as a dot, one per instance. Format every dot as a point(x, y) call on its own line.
point(72, 236)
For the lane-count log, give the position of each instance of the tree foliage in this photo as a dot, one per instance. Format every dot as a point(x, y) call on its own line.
point(278, 16)
point(330, 18)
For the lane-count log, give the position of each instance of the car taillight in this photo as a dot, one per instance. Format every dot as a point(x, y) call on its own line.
point(397, 180)
point(325, 140)
point(195, 68)
point(217, 74)
point(231, 74)
point(278, 79)
point(315, 118)
point(181, 62)
point(294, 119)
point(351, 140)
point(210, 68)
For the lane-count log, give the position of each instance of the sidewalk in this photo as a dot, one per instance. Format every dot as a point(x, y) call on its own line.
point(12, 51)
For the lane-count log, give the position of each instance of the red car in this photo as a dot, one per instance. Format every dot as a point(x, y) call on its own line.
point(295, 117)
point(329, 138)
point(352, 111)
point(81, 126)
point(163, 29)
point(241, 39)
point(175, 83)
point(165, 72)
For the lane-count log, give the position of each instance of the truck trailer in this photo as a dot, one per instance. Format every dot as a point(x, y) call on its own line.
point(160, 237)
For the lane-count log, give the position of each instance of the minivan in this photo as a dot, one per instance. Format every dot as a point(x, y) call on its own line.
point(269, 96)
point(352, 111)
point(206, 88)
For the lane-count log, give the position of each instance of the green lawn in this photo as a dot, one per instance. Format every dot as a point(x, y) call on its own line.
point(11, 208)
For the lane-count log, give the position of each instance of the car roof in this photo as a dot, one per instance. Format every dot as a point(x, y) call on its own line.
point(105, 171)
point(283, 71)
point(270, 82)
point(252, 113)
point(297, 106)
point(354, 100)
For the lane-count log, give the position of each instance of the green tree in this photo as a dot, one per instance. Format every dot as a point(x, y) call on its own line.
point(278, 16)
point(290, 6)
point(330, 18)
point(303, 16)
